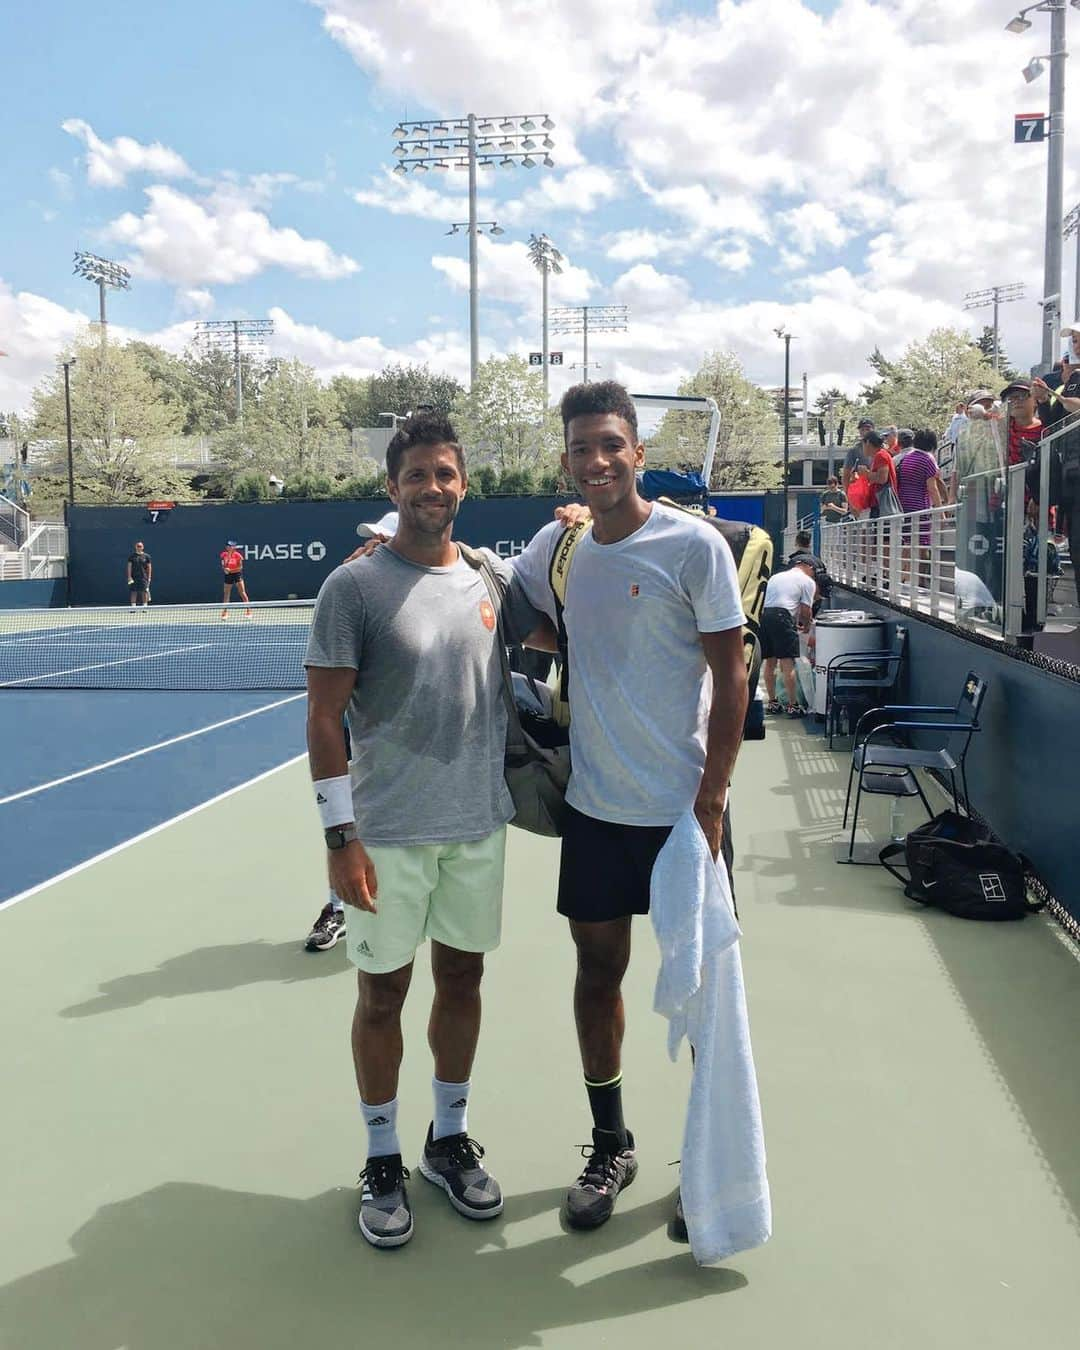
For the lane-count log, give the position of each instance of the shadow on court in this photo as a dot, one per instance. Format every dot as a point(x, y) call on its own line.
point(211, 970)
point(189, 1267)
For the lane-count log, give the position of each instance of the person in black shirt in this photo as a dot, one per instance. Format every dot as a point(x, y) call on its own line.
point(139, 568)
point(834, 503)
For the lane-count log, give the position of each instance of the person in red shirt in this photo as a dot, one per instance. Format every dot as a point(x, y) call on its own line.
point(232, 566)
point(1024, 422)
point(882, 469)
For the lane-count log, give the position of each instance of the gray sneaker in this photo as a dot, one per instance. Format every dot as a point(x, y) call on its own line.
point(454, 1164)
point(385, 1217)
point(590, 1201)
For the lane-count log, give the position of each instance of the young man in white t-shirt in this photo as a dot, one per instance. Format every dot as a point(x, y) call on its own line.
point(658, 693)
point(789, 599)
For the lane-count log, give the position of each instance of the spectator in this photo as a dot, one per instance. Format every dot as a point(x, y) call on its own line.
point(1066, 405)
point(834, 502)
point(1024, 422)
point(889, 436)
point(979, 407)
point(882, 474)
point(918, 485)
point(856, 457)
point(789, 598)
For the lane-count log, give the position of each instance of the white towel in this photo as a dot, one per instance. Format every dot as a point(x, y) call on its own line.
point(725, 1192)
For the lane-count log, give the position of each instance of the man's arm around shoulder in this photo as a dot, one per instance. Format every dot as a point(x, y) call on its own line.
point(727, 662)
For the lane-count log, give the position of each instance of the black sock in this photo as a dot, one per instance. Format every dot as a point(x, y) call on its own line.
point(605, 1102)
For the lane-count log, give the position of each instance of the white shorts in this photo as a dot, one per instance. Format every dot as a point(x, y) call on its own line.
point(451, 893)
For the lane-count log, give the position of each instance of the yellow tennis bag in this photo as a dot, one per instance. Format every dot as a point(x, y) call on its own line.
point(752, 549)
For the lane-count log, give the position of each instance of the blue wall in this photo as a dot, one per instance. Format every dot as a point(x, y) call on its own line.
point(290, 547)
point(1022, 765)
point(48, 594)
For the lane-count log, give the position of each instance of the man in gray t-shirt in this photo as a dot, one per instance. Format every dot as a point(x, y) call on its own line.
point(406, 641)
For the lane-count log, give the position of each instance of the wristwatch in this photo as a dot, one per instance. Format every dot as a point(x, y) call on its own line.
point(339, 835)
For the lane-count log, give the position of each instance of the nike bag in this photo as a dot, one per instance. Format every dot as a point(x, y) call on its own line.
point(955, 865)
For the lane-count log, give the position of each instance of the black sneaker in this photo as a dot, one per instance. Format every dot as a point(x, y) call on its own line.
point(609, 1170)
point(677, 1230)
point(796, 710)
point(453, 1163)
point(328, 927)
point(385, 1217)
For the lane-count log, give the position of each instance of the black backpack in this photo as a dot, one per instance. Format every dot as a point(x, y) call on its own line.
point(957, 866)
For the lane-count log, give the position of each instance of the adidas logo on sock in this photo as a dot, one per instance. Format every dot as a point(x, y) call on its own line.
point(365, 950)
point(379, 1120)
point(460, 1104)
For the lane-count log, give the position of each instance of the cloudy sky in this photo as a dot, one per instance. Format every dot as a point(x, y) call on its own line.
point(842, 167)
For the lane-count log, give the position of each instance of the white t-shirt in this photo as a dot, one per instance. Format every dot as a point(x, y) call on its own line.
point(639, 685)
point(788, 590)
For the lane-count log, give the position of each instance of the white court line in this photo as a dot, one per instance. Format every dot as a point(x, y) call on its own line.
point(100, 665)
point(155, 829)
point(147, 749)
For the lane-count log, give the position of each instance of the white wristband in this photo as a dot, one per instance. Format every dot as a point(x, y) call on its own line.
point(333, 797)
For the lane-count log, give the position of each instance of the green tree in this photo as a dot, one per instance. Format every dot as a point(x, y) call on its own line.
point(985, 344)
point(502, 419)
point(118, 414)
point(405, 389)
point(354, 401)
point(747, 451)
point(922, 387)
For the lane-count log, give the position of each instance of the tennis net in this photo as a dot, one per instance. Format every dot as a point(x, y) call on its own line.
point(156, 647)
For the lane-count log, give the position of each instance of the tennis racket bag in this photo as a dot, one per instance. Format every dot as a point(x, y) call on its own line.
point(955, 864)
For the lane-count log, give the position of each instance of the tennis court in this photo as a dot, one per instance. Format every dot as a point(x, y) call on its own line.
point(181, 1132)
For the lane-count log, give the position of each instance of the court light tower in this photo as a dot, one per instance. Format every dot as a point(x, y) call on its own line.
point(104, 274)
point(786, 337)
point(1055, 159)
point(472, 142)
point(67, 409)
point(245, 337)
point(546, 258)
point(586, 319)
point(996, 296)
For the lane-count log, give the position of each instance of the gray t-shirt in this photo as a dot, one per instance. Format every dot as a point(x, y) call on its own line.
point(426, 715)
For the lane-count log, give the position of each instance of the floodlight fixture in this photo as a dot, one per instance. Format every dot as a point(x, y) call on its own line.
point(105, 274)
point(528, 124)
point(399, 131)
point(547, 124)
point(400, 168)
point(1033, 69)
point(420, 167)
point(528, 143)
point(528, 162)
point(507, 143)
point(496, 229)
point(548, 162)
point(506, 162)
point(1018, 25)
point(452, 230)
point(440, 129)
point(507, 125)
point(586, 319)
point(486, 127)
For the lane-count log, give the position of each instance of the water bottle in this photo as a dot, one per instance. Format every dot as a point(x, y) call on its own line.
point(896, 820)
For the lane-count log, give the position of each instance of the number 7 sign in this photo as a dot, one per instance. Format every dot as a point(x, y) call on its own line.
point(1029, 127)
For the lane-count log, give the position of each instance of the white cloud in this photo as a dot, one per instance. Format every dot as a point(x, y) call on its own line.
point(218, 240)
point(417, 195)
point(507, 276)
point(195, 301)
point(111, 163)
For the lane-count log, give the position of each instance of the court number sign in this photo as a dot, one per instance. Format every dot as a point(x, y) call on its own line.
point(537, 358)
point(1029, 127)
point(156, 511)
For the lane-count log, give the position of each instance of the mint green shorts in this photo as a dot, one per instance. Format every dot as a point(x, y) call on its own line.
point(450, 893)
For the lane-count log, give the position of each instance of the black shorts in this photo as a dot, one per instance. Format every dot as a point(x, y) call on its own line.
point(233, 578)
point(779, 636)
point(139, 587)
point(605, 868)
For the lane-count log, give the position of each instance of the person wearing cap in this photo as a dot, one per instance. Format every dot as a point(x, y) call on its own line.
point(232, 567)
point(1066, 403)
point(1020, 399)
point(856, 457)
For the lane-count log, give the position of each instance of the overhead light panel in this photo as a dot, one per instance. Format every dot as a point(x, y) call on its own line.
point(1018, 25)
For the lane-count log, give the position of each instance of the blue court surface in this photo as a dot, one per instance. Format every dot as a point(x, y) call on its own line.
point(85, 771)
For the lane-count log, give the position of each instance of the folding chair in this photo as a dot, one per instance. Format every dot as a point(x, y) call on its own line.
point(889, 769)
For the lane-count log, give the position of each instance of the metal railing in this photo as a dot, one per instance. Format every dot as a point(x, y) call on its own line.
point(14, 523)
point(43, 555)
point(907, 559)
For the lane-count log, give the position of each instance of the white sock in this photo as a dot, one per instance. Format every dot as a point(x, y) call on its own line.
point(381, 1122)
point(451, 1108)
point(337, 904)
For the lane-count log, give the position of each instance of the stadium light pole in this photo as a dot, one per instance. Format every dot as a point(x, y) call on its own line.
point(996, 296)
point(471, 142)
point(67, 409)
point(1055, 159)
point(546, 258)
point(246, 337)
point(104, 274)
point(785, 336)
point(586, 319)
